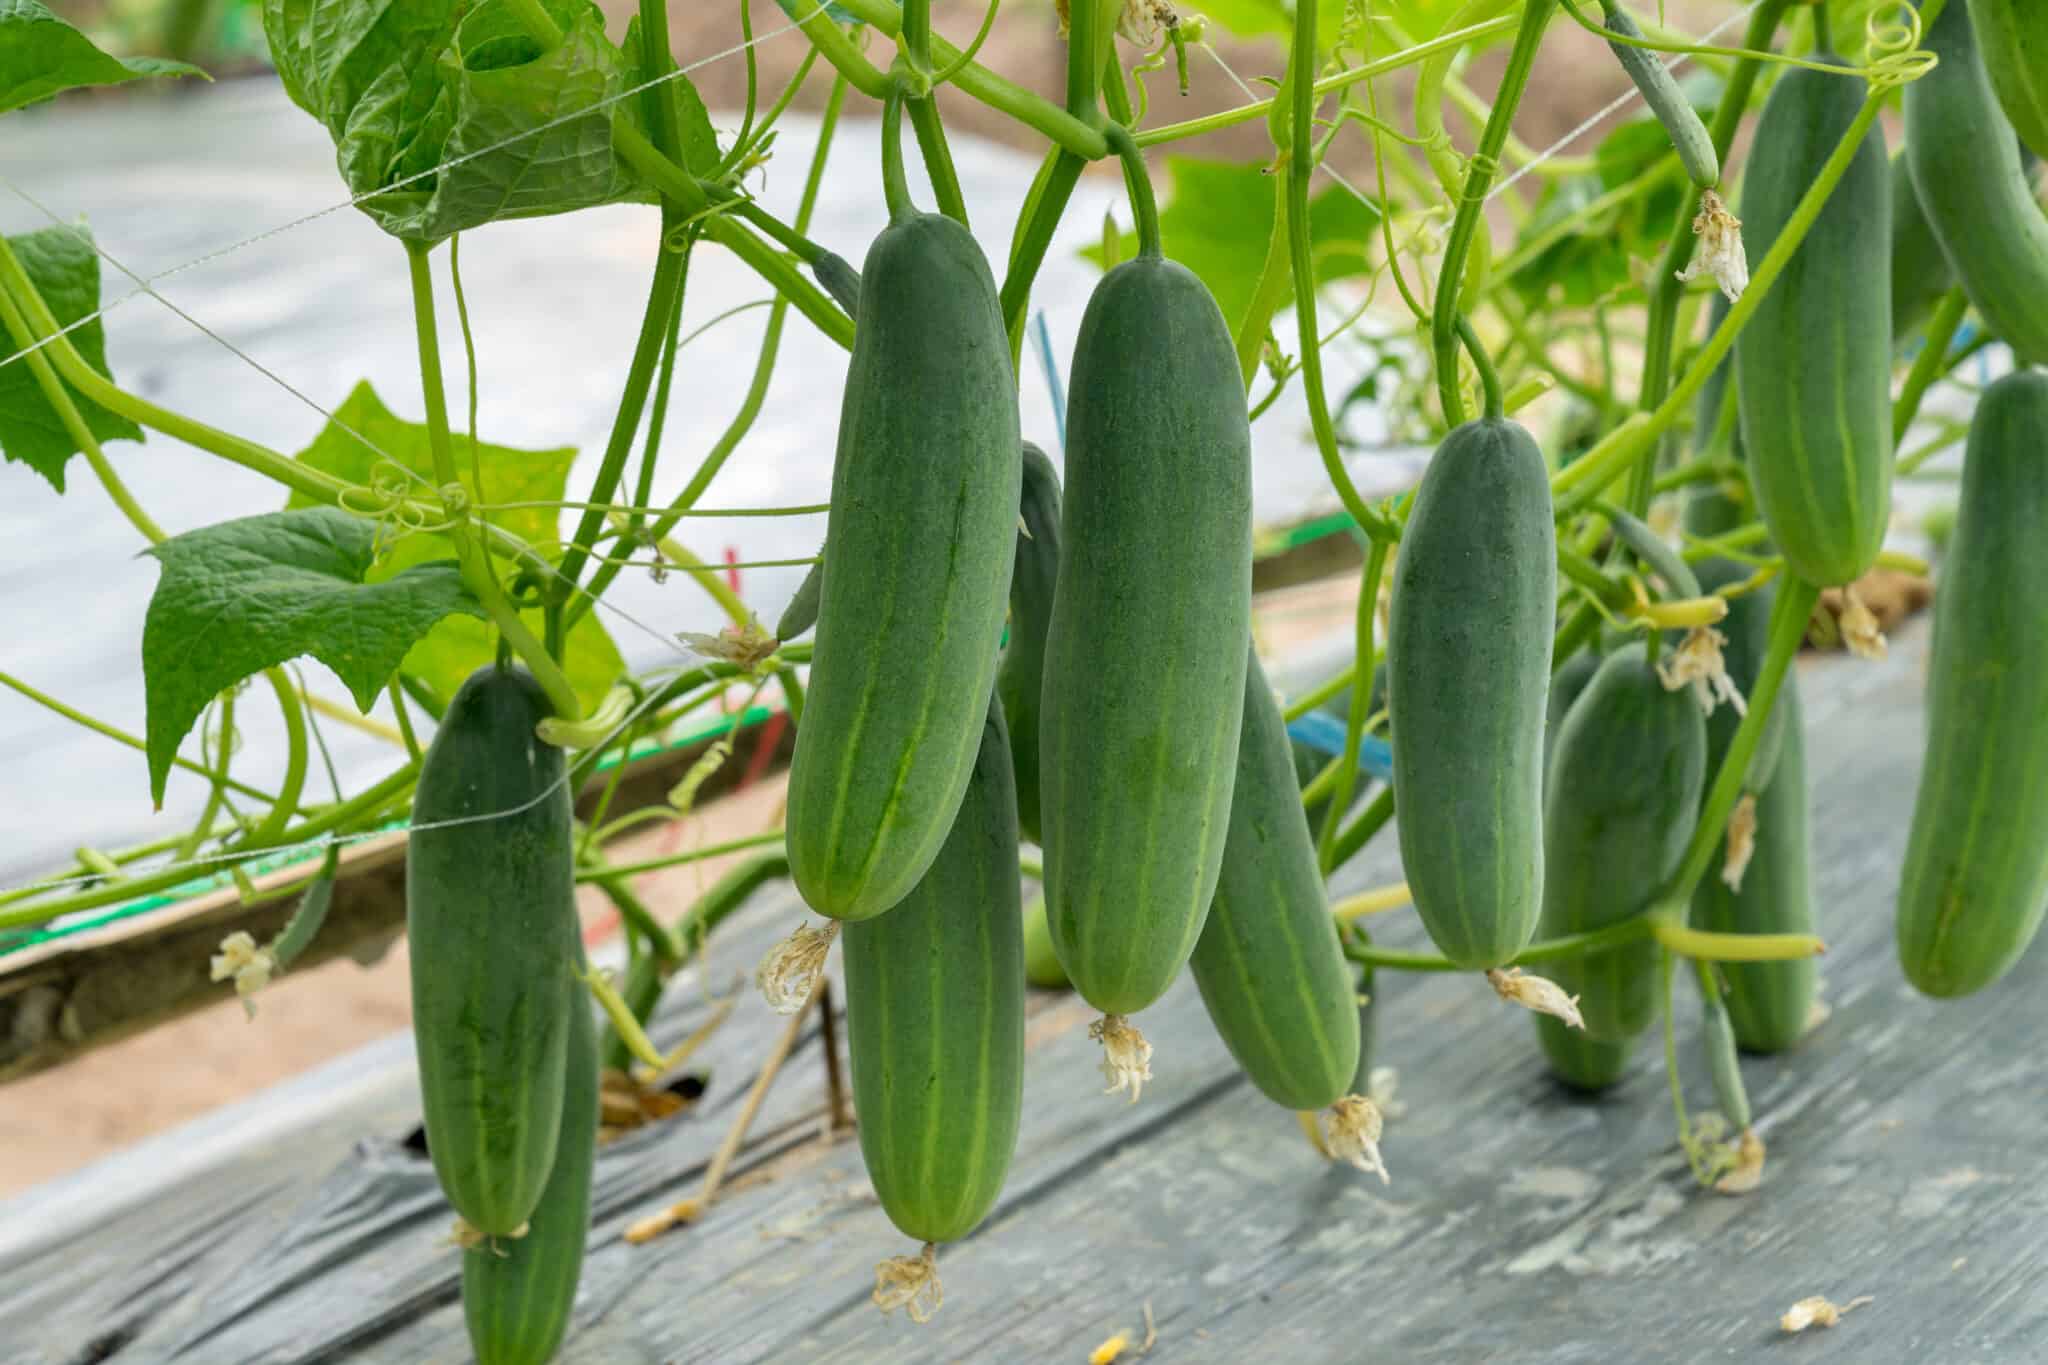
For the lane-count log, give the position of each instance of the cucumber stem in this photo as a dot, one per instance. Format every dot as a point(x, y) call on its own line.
point(895, 187)
point(1139, 183)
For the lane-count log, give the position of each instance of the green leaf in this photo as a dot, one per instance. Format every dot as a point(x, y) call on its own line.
point(451, 116)
point(1218, 219)
point(42, 56)
point(65, 270)
point(242, 596)
point(693, 120)
point(457, 647)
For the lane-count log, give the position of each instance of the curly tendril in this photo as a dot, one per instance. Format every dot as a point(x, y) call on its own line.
point(1896, 57)
point(388, 499)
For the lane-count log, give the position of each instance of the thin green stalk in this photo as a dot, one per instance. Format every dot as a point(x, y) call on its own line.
point(1489, 378)
point(281, 810)
point(1043, 210)
point(404, 715)
point(938, 158)
point(477, 573)
point(202, 829)
point(120, 736)
point(678, 859)
point(1360, 831)
point(1928, 366)
point(895, 184)
point(1361, 701)
point(1143, 206)
point(657, 416)
point(1471, 207)
point(1276, 278)
point(1301, 62)
point(1320, 693)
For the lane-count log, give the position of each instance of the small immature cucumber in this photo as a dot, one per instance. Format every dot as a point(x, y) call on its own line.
point(1717, 1040)
point(1041, 964)
point(837, 277)
point(1268, 963)
point(517, 1293)
point(1021, 678)
point(490, 914)
point(921, 540)
point(1151, 621)
point(1695, 146)
point(935, 1018)
point(1468, 681)
point(1813, 367)
point(802, 612)
point(1768, 1002)
point(2014, 34)
point(1624, 794)
point(1976, 877)
point(1974, 189)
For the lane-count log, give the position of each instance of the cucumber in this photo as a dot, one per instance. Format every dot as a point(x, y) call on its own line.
point(935, 1018)
point(837, 277)
point(1920, 272)
point(517, 1295)
point(1151, 621)
point(1041, 964)
point(2015, 45)
point(1976, 875)
point(1624, 794)
point(1268, 964)
point(1659, 89)
point(1020, 680)
point(923, 521)
point(1565, 686)
point(1768, 1002)
point(802, 612)
point(1747, 627)
point(490, 917)
point(1974, 190)
point(1468, 682)
point(1813, 367)
point(1581, 1062)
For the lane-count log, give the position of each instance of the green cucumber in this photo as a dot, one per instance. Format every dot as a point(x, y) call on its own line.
point(517, 1294)
point(1268, 964)
point(1144, 660)
point(1717, 1040)
point(1565, 686)
point(1813, 367)
point(1580, 1061)
point(2015, 38)
point(1976, 876)
point(1659, 89)
point(837, 277)
point(1020, 680)
point(1041, 964)
point(490, 915)
point(1624, 795)
point(1974, 189)
point(1468, 682)
point(1920, 272)
point(1747, 628)
point(1768, 1002)
point(802, 612)
point(921, 536)
point(935, 1018)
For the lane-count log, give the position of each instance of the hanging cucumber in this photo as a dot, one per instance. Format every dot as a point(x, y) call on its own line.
point(1145, 655)
point(1565, 687)
point(1813, 367)
point(935, 1018)
point(1020, 680)
point(802, 612)
point(1974, 190)
point(1468, 680)
point(517, 1295)
point(1768, 1002)
point(2014, 34)
point(1624, 795)
point(490, 914)
point(1920, 272)
point(1659, 89)
point(1976, 876)
point(921, 536)
point(1269, 966)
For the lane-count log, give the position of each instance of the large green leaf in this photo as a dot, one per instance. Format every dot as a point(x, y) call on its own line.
point(1218, 219)
point(361, 445)
point(65, 270)
point(41, 56)
point(449, 115)
point(242, 596)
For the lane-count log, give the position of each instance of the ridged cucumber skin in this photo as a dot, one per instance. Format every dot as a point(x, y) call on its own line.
point(1579, 1060)
point(1974, 190)
point(1468, 685)
point(1768, 1002)
point(1976, 876)
point(517, 1294)
point(1920, 272)
point(1813, 367)
point(1020, 680)
point(1268, 964)
point(935, 1018)
point(1144, 661)
point(492, 932)
point(1565, 686)
point(920, 536)
point(1747, 632)
point(2015, 46)
point(1624, 794)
